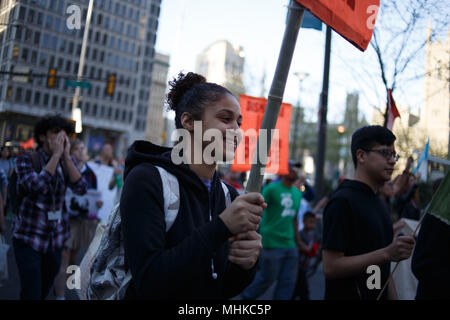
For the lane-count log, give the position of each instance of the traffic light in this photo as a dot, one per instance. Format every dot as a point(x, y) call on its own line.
point(111, 84)
point(15, 51)
point(51, 78)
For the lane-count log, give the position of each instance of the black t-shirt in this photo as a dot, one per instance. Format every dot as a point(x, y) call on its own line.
point(356, 222)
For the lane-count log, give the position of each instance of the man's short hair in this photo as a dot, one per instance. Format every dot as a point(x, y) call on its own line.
point(366, 137)
point(49, 123)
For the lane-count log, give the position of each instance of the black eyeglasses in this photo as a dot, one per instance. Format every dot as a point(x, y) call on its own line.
point(386, 153)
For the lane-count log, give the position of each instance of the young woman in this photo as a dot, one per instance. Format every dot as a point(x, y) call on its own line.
point(211, 250)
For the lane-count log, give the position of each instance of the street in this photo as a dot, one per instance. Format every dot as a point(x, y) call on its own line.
point(10, 290)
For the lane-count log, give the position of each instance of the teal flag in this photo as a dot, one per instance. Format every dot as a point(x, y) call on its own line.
point(311, 22)
point(423, 156)
point(439, 205)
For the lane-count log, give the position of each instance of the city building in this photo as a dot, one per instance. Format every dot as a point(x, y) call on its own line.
point(223, 63)
point(155, 121)
point(35, 38)
point(435, 117)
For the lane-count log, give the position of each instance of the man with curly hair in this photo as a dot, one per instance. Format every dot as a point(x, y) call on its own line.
point(41, 223)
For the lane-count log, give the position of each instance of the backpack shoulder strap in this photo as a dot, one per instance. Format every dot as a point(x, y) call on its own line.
point(227, 194)
point(36, 161)
point(171, 193)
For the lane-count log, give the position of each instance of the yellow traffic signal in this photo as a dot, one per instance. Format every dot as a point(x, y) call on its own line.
point(15, 51)
point(111, 84)
point(51, 78)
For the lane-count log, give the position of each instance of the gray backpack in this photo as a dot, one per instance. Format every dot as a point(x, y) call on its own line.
point(104, 265)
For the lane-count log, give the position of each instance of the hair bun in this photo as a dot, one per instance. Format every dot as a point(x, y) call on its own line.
point(179, 86)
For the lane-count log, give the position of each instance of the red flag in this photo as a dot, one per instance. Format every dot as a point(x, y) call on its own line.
point(393, 111)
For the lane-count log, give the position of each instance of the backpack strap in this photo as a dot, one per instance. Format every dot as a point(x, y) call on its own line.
point(227, 194)
point(171, 193)
point(36, 161)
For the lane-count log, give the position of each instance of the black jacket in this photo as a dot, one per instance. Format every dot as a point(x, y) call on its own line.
point(431, 259)
point(176, 264)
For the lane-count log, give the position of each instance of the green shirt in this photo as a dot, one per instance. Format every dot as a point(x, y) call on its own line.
point(277, 224)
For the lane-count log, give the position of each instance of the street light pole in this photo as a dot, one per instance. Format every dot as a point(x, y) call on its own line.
point(301, 76)
point(322, 140)
point(76, 112)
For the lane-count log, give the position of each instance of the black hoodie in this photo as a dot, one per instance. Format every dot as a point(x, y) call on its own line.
point(176, 264)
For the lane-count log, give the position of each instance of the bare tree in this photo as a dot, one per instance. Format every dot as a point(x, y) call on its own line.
point(400, 37)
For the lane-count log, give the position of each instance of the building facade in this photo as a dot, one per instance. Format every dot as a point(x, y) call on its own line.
point(435, 118)
point(155, 120)
point(35, 37)
point(223, 63)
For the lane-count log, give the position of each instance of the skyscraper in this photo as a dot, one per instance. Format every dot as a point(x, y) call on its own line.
point(155, 119)
point(35, 37)
point(223, 63)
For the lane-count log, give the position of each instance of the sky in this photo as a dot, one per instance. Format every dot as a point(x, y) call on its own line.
point(186, 27)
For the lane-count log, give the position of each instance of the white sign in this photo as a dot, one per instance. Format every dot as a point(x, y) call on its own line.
point(104, 175)
point(84, 206)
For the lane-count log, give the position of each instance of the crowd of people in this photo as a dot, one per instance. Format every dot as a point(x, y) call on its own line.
point(218, 242)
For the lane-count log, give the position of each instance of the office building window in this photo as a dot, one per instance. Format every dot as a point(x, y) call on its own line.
point(18, 34)
point(55, 102)
point(49, 21)
point(68, 65)
point(28, 96)
point(24, 54)
point(19, 92)
point(28, 35)
point(9, 93)
point(37, 98)
point(34, 56)
point(37, 37)
point(63, 104)
point(22, 13)
point(46, 98)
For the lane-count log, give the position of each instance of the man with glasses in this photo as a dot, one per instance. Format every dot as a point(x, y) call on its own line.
point(358, 230)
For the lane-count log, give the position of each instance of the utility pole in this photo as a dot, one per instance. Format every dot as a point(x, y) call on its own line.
point(301, 76)
point(76, 112)
point(322, 139)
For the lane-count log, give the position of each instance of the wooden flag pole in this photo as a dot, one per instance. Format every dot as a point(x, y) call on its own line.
point(396, 265)
point(293, 24)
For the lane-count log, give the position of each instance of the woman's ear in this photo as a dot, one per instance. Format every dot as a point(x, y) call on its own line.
point(187, 121)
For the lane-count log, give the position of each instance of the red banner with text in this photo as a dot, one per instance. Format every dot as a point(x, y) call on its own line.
point(252, 110)
point(352, 19)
